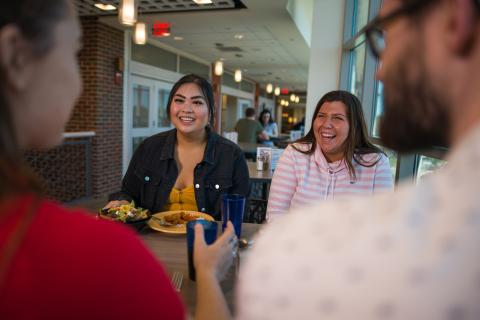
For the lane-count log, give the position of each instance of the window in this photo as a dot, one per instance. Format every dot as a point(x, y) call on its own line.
point(378, 112)
point(154, 56)
point(136, 141)
point(358, 77)
point(427, 165)
point(141, 106)
point(229, 81)
point(357, 68)
point(361, 8)
point(163, 120)
point(247, 86)
point(189, 66)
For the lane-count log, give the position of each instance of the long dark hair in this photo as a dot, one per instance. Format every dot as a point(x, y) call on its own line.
point(265, 111)
point(206, 88)
point(357, 143)
point(36, 20)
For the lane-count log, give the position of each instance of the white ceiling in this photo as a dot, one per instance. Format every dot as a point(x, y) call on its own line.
point(272, 48)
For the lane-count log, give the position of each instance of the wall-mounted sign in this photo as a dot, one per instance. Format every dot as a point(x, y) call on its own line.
point(161, 29)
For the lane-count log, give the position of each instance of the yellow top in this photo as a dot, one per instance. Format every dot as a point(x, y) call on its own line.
point(182, 200)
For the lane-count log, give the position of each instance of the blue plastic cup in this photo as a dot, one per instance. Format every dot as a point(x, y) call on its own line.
point(233, 207)
point(210, 235)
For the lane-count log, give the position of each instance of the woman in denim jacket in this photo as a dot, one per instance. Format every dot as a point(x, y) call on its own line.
point(190, 166)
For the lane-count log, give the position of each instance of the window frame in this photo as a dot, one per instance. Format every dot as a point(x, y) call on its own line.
point(407, 164)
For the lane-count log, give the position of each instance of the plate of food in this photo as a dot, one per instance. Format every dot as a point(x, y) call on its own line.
point(175, 221)
point(128, 214)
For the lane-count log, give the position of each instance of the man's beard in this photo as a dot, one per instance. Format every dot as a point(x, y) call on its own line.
point(415, 116)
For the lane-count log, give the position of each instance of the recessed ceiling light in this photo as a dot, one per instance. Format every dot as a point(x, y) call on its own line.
point(105, 7)
point(202, 1)
point(177, 38)
point(238, 36)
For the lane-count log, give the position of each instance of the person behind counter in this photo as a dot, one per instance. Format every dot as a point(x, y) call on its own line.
point(190, 166)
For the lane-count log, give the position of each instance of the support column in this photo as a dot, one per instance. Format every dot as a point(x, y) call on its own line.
point(325, 52)
point(217, 98)
point(257, 95)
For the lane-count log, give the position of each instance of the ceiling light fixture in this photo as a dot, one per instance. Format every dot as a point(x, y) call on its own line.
point(286, 103)
point(238, 75)
point(297, 99)
point(140, 33)
point(127, 13)
point(105, 7)
point(177, 38)
point(239, 36)
point(218, 69)
point(292, 97)
point(202, 1)
point(277, 91)
point(269, 88)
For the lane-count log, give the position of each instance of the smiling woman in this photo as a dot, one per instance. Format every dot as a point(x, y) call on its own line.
point(333, 160)
point(189, 167)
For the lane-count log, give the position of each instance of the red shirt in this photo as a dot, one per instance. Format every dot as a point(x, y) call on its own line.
point(72, 266)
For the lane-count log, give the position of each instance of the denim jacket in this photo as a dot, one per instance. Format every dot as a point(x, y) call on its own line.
point(153, 171)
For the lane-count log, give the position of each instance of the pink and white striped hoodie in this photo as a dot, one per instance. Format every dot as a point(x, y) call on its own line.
point(301, 179)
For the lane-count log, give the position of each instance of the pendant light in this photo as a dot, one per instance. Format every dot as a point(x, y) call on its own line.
point(277, 91)
point(127, 12)
point(269, 88)
point(218, 69)
point(238, 75)
point(140, 33)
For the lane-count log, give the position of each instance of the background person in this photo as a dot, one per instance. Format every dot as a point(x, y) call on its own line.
point(58, 263)
point(335, 159)
point(269, 125)
point(249, 129)
point(190, 166)
point(412, 254)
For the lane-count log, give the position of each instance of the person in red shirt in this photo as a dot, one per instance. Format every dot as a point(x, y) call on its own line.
point(57, 263)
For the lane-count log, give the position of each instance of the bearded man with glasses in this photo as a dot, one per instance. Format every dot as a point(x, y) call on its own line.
point(412, 254)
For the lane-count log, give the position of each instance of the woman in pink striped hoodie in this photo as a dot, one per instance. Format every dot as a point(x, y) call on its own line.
point(335, 159)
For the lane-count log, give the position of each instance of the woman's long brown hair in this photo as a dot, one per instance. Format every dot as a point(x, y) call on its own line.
point(36, 20)
point(357, 143)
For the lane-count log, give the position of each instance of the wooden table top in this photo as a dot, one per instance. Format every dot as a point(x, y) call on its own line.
point(257, 175)
point(171, 251)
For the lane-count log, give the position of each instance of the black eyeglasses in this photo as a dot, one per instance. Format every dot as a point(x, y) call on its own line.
point(374, 31)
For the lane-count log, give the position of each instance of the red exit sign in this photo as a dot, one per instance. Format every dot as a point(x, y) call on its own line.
point(161, 29)
point(284, 91)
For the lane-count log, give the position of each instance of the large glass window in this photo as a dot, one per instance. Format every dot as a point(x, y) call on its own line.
point(378, 111)
point(357, 68)
point(358, 76)
point(427, 165)
point(361, 8)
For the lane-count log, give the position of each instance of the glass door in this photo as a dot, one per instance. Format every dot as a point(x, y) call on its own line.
point(147, 114)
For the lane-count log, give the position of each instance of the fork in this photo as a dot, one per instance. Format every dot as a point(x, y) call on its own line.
point(177, 279)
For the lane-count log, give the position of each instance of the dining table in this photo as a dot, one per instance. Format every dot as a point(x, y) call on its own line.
point(171, 252)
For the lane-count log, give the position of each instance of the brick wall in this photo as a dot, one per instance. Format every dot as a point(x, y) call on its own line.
point(99, 109)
